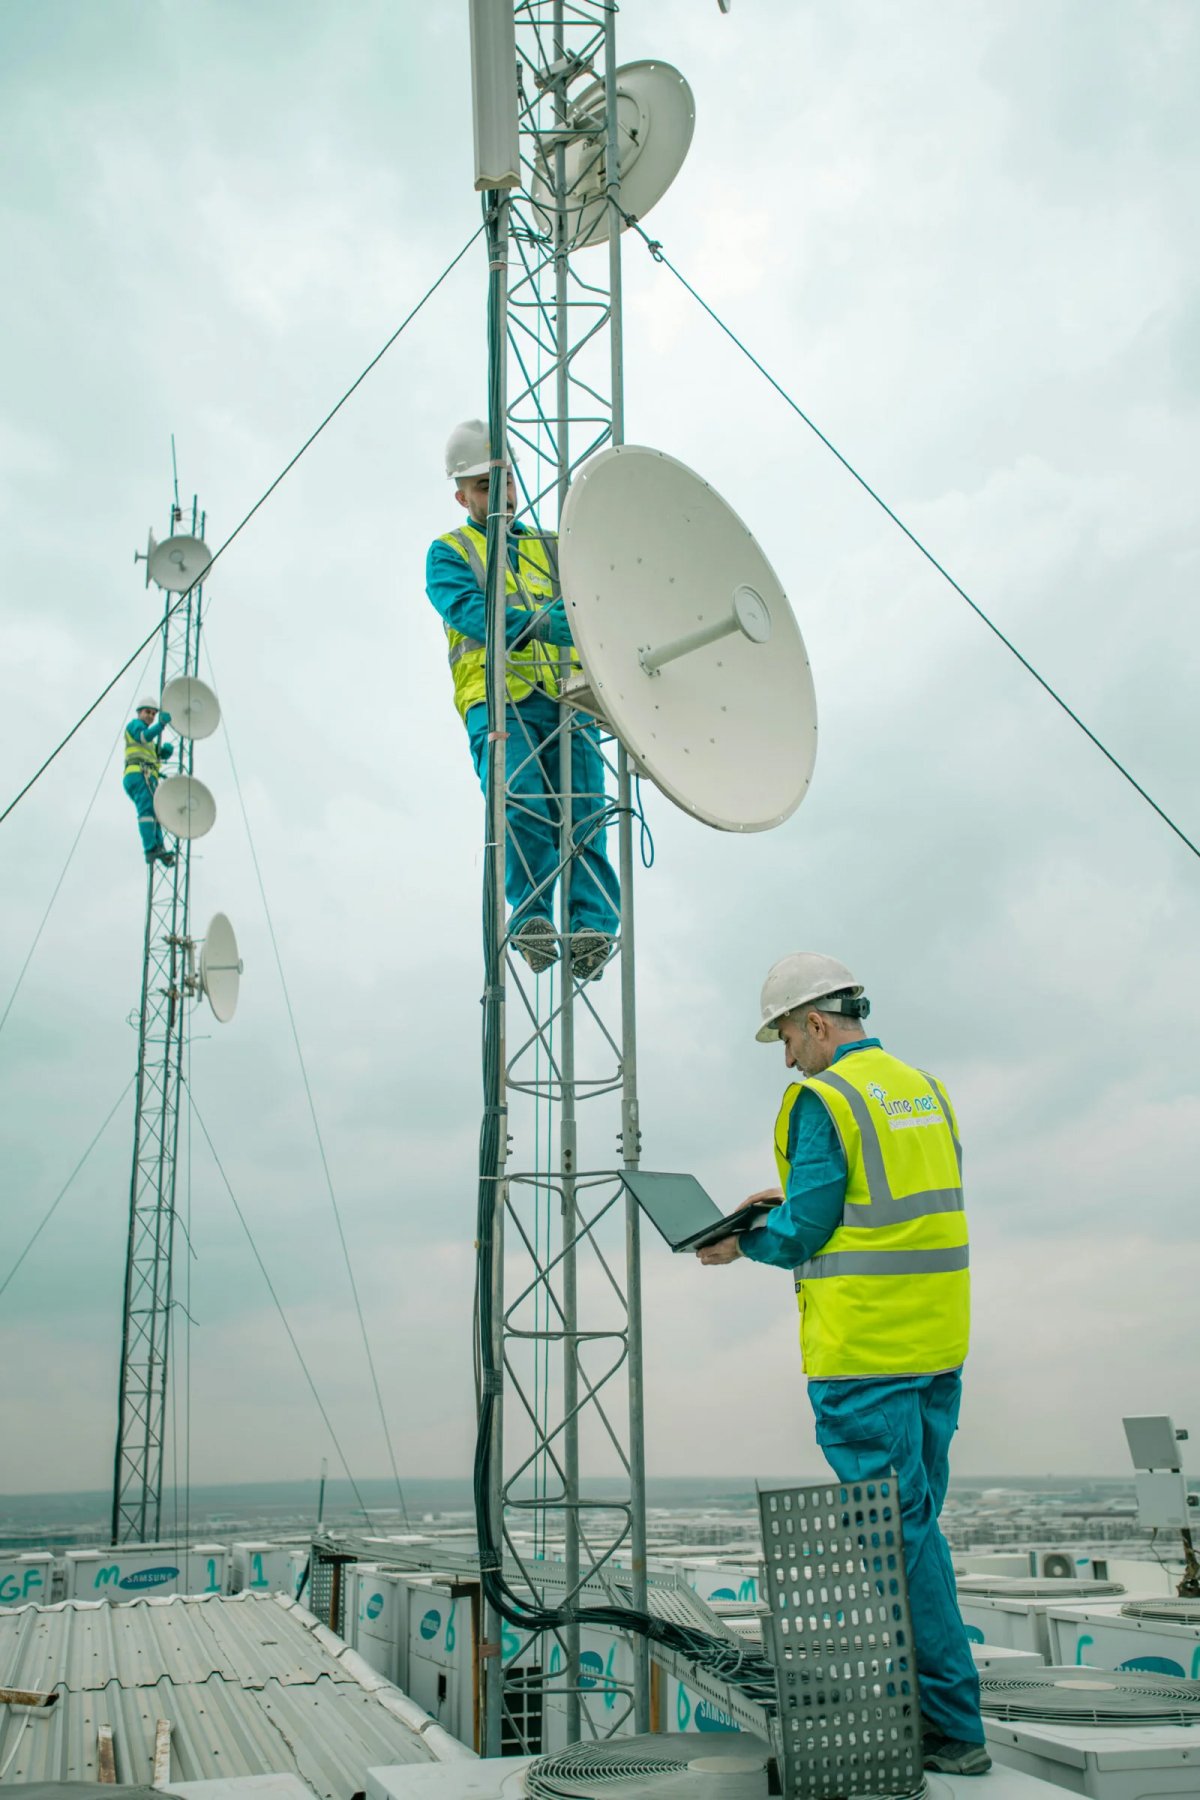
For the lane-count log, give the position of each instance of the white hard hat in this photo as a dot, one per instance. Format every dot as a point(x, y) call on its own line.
point(468, 449)
point(146, 706)
point(803, 978)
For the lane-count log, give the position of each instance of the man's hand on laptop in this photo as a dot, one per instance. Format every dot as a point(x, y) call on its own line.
point(725, 1250)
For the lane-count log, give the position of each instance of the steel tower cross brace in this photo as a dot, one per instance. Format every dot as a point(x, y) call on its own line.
point(565, 1338)
point(162, 1036)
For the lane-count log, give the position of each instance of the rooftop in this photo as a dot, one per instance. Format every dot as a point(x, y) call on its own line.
point(249, 1685)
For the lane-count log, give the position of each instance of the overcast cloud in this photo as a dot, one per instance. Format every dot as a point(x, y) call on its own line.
point(963, 235)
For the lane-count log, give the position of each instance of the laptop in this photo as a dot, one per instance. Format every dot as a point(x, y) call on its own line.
point(680, 1210)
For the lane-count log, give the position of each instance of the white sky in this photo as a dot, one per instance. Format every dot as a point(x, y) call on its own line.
point(962, 235)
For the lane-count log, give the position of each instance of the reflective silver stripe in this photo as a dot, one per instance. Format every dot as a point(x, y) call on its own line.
point(470, 550)
point(459, 650)
point(884, 1262)
point(872, 1149)
point(886, 1208)
point(900, 1209)
point(949, 1116)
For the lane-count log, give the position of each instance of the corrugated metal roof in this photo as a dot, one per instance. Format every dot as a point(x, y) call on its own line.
point(250, 1684)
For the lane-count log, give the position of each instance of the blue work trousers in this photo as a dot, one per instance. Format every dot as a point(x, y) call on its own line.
point(532, 761)
point(905, 1423)
point(141, 791)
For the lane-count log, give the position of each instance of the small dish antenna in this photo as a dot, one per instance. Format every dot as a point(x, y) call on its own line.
point(220, 968)
point(184, 807)
point(656, 115)
point(689, 648)
point(176, 564)
point(192, 706)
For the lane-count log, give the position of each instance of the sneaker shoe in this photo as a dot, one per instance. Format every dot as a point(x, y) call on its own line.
point(537, 941)
point(947, 1756)
point(590, 950)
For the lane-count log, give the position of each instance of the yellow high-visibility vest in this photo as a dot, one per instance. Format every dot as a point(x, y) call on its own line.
point(889, 1293)
point(533, 584)
point(141, 757)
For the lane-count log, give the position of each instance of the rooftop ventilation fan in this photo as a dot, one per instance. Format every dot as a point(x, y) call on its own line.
point(667, 1766)
point(1167, 1611)
point(1001, 1587)
point(1058, 1566)
point(1078, 1696)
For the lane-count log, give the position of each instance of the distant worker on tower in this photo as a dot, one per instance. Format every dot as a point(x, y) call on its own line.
point(538, 640)
point(145, 754)
point(872, 1226)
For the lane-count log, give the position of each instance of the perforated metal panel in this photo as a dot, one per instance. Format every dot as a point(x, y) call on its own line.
point(842, 1635)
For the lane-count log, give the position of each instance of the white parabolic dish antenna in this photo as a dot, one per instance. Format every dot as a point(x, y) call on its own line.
point(177, 562)
point(192, 706)
point(687, 640)
point(220, 968)
point(656, 115)
point(184, 807)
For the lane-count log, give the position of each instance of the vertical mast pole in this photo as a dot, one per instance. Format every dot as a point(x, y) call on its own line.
point(495, 1084)
point(136, 1515)
point(568, 1131)
point(630, 1139)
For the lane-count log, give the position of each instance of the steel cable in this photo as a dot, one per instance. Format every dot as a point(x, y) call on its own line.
point(656, 250)
point(292, 1339)
point(239, 528)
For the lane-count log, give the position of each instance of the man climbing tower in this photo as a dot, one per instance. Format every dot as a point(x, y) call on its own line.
point(144, 755)
point(538, 642)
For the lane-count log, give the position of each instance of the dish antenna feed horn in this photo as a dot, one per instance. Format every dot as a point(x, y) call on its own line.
point(749, 615)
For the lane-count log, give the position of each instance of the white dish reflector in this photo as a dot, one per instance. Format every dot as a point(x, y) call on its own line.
point(656, 115)
point(192, 706)
point(177, 562)
point(220, 968)
point(184, 807)
point(689, 647)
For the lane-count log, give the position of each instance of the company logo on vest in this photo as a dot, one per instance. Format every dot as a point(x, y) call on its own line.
point(924, 1103)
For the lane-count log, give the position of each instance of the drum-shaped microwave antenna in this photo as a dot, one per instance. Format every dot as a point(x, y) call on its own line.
point(656, 115)
point(220, 968)
point(192, 706)
point(184, 807)
point(689, 648)
point(177, 563)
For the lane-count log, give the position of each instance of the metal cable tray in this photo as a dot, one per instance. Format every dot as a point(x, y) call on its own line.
point(1083, 1696)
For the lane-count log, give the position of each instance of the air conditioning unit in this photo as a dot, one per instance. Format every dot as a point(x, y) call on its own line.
point(998, 1659)
point(1110, 1735)
point(661, 1766)
point(1159, 1636)
point(508, 1778)
point(1064, 1565)
point(1013, 1613)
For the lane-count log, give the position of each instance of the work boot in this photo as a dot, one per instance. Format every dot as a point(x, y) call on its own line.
point(166, 858)
point(948, 1756)
point(537, 941)
point(590, 950)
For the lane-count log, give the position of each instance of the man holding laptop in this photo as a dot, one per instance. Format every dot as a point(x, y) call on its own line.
point(870, 1219)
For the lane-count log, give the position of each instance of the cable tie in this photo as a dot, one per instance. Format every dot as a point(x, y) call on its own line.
point(493, 1382)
